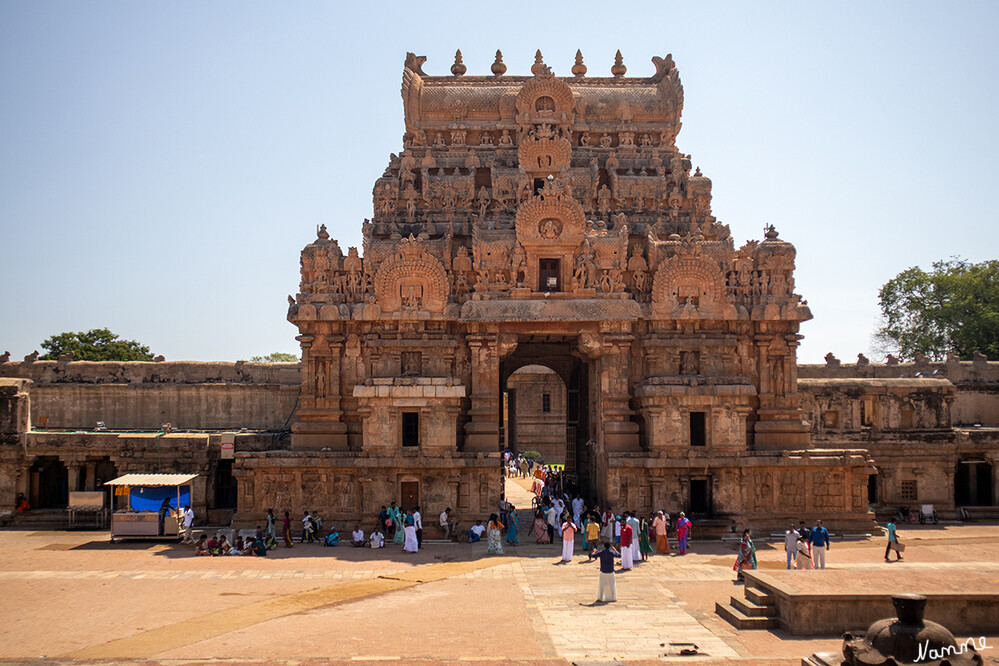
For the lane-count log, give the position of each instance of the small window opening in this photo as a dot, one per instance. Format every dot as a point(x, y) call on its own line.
point(410, 429)
point(698, 431)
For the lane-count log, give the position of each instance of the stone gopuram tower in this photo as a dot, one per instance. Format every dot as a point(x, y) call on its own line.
point(551, 221)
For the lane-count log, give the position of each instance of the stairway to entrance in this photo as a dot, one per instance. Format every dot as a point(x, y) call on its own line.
point(756, 610)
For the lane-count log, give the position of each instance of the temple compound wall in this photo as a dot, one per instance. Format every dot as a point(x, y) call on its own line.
point(534, 232)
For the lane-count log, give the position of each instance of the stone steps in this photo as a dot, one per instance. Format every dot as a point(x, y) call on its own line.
point(747, 607)
point(740, 620)
point(759, 596)
point(757, 610)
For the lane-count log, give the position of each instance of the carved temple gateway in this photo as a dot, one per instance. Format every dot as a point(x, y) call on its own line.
point(551, 221)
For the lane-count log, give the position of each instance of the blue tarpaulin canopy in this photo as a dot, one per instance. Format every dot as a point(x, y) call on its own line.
point(147, 492)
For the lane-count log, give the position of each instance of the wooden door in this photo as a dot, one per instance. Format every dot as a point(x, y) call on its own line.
point(410, 495)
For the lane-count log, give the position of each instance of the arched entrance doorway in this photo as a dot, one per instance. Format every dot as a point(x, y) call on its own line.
point(973, 483)
point(543, 366)
point(536, 413)
point(49, 483)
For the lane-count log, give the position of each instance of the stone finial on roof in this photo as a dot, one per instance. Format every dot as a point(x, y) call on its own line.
point(499, 67)
point(458, 68)
point(539, 63)
point(769, 232)
point(579, 69)
point(321, 232)
point(618, 70)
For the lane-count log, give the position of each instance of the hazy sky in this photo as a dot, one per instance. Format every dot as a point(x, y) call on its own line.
point(163, 163)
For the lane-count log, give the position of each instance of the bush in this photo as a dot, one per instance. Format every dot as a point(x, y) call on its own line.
point(532, 455)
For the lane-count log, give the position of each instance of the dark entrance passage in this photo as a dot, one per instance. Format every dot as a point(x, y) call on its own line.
point(973, 483)
point(558, 383)
point(49, 483)
point(700, 498)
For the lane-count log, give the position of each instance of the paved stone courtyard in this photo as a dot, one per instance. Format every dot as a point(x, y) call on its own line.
point(72, 596)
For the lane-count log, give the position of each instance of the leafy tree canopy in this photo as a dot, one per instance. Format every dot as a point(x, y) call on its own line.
point(954, 307)
point(100, 344)
point(275, 357)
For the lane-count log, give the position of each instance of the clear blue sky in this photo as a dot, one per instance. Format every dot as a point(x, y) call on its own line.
point(163, 163)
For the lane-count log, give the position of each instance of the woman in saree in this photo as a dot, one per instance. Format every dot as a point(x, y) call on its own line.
point(513, 527)
point(683, 532)
point(494, 536)
point(539, 527)
point(398, 521)
point(644, 545)
point(747, 554)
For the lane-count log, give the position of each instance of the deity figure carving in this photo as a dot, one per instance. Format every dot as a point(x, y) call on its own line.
point(483, 201)
point(777, 376)
point(550, 228)
point(603, 200)
point(505, 138)
point(486, 139)
point(518, 263)
point(606, 141)
point(439, 140)
point(690, 362)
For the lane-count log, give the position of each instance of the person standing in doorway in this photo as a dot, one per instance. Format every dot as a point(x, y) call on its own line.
point(791, 545)
point(892, 542)
point(820, 544)
point(607, 591)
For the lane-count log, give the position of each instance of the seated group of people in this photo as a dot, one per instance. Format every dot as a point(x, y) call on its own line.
point(374, 540)
point(220, 545)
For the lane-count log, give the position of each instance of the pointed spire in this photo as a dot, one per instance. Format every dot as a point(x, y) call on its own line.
point(618, 69)
point(499, 67)
point(538, 63)
point(579, 69)
point(458, 68)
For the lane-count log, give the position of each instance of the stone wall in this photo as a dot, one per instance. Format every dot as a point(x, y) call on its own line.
point(536, 429)
point(142, 396)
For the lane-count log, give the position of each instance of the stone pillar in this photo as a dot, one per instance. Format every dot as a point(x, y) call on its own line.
point(486, 350)
point(91, 476)
point(319, 422)
point(620, 433)
point(73, 473)
point(779, 425)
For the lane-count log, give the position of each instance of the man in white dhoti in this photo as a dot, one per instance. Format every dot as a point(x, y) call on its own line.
point(608, 587)
point(410, 544)
point(568, 540)
point(627, 560)
point(577, 512)
point(636, 534)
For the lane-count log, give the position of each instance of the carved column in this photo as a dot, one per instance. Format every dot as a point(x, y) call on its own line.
point(620, 433)
point(319, 422)
point(91, 474)
point(779, 425)
point(486, 351)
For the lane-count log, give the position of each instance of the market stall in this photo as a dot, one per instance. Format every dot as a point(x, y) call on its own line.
point(149, 505)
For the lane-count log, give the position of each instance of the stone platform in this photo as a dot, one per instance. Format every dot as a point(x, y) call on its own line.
point(832, 601)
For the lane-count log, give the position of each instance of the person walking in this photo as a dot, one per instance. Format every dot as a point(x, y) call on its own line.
point(494, 535)
point(269, 533)
point(636, 535)
point(747, 554)
point(513, 527)
point(820, 544)
point(189, 523)
point(286, 531)
point(418, 526)
point(568, 539)
point(607, 591)
point(410, 542)
point(893, 543)
point(660, 525)
point(683, 526)
point(791, 545)
point(804, 559)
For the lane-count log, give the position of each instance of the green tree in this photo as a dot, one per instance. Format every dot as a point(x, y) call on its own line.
point(275, 357)
point(100, 344)
point(954, 307)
